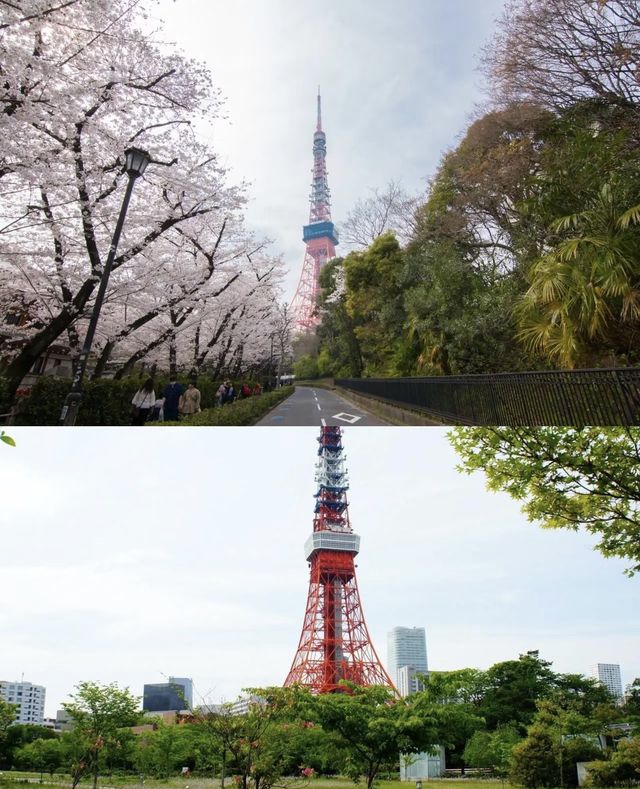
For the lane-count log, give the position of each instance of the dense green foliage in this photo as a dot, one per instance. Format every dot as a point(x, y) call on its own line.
point(492, 749)
point(503, 701)
point(566, 478)
point(7, 717)
point(556, 741)
point(518, 718)
point(102, 716)
point(622, 769)
point(20, 736)
point(306, 367)
point(526, 251)
point(241, 412)
point(372, 729)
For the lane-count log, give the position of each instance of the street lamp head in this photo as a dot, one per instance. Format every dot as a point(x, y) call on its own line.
point(137, 161)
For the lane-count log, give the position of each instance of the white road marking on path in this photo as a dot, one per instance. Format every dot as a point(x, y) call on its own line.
point(323, 422)
point(318, 406)
point(350, 418)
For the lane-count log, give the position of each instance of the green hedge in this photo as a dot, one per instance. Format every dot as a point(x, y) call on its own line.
point(241, 412)
point(5, 403)
point(104, 402)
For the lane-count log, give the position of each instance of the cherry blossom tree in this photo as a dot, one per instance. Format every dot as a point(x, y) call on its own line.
point(81, 82)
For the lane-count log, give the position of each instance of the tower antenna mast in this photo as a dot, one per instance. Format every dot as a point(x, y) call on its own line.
point(320, 236)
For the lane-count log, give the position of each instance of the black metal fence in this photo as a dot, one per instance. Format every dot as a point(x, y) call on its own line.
point(555, 397)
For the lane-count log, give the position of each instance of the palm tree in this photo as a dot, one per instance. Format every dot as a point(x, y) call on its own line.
point(586, 288)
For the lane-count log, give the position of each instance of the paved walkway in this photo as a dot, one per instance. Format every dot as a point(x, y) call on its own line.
point(310, 407)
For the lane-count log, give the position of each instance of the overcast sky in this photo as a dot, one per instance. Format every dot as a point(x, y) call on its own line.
point(131, 555)
point(399, 81)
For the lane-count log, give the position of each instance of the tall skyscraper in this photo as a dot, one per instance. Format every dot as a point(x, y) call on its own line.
point(28, 698)
point(407, 657)
point(609, 675)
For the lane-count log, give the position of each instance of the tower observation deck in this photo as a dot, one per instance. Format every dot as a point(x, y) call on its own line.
point(320, 236)
point(335, 644)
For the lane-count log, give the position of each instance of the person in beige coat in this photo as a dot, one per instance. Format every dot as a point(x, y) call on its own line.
point(190, 400)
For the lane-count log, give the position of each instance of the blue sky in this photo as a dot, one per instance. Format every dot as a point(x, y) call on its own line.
point(399, 81)
point(129, 555)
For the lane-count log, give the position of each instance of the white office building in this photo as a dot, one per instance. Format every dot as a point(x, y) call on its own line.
point(608, 674)
point(406, 653)
point(406, 658)
point(408, 681)
point(28, 698)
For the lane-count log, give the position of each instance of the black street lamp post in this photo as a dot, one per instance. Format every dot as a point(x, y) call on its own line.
point(136, 163)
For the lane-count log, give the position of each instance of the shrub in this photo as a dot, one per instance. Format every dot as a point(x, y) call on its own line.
point(306, 367)
point(623, 769)
point(535, 760)
point(107, 401)
point(241, 412)
point(45, 402)
point(104, 402)
point(5, 403)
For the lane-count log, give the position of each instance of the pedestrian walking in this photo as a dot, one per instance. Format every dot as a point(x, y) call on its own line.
point(231, 393)
point(173, 391)
point(190, 400)
point(245, 390)
point(221, 394)
point(142, 403)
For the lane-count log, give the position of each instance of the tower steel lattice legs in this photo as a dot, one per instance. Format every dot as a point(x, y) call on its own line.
point(334, 644)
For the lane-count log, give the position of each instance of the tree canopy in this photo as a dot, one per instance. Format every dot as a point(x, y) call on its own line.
point(525, 253)
point(190, 286)
point(567, 478)
point(101, 716)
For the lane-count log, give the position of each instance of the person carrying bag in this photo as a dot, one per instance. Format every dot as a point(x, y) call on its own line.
point(142, 403)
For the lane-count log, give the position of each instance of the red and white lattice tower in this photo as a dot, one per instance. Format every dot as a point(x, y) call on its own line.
point(335, 643)
point(319, 236)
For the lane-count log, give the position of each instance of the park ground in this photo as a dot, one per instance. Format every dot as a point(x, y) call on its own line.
point(8, 780)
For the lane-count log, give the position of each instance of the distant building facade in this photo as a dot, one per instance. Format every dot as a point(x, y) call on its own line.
point(187, 689)
point(407, 649)
point(406, 659)
point(174, 695)
point(64, 721)
point(28, 698)
point(408, 681)
point(608, 674)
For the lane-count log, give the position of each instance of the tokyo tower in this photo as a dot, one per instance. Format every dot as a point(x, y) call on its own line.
point(335, 643)
point(319, 235)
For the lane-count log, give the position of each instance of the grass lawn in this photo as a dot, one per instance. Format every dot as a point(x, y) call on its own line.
point(8, 780)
